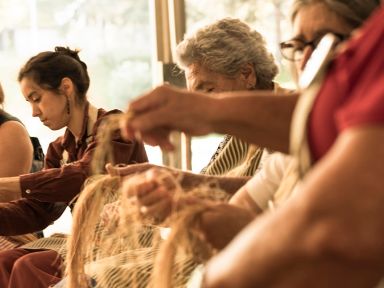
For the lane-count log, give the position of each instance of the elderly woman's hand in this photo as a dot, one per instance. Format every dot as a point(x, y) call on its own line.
point(154, 115)
point(153, 192)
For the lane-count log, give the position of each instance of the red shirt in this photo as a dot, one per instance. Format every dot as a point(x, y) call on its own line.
point(353, 92)
point(47, 192)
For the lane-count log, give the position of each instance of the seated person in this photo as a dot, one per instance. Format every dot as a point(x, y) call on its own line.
point(16, 158)
point(15, 146)
point(55, 84)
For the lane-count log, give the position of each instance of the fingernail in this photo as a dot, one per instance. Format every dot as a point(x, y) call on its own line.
point(143, 209)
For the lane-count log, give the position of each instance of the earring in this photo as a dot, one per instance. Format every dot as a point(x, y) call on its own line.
point(68, 107)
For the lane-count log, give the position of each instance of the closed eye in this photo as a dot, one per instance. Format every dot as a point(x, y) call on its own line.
point(33, 97)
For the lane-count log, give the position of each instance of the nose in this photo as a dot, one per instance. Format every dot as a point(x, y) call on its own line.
point(35, 111)
point(306, 54)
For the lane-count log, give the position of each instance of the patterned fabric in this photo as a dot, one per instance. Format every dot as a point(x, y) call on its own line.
point(234, 157)
point(10, 242)
point(134, 269)
point(57, 242)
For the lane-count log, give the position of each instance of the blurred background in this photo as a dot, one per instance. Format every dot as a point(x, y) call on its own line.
point(117, 39)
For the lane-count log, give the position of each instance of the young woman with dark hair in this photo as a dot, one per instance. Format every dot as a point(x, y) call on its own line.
point(55, 84)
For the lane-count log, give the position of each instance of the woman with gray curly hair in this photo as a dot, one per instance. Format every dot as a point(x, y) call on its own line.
point(226, 47)
point(228, 55)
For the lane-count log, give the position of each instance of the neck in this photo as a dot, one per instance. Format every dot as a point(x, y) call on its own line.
point(76, 122)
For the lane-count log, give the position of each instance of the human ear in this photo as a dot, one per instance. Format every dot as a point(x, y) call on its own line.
point(66, 86)
point(248, 74)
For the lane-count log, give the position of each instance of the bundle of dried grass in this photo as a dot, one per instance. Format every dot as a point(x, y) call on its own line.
point(126, 250)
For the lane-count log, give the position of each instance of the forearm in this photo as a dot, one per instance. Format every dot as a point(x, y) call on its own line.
point(283, 259)
point(221, 223)
point(27, 216)
point(55, 184)
point(260, 117)
point(9, 189)
point(256, 118)
point(255, 257)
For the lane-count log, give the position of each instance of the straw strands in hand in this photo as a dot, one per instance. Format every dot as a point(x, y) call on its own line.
point(117, 245)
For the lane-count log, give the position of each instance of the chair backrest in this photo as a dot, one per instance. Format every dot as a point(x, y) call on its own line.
point(38, 155)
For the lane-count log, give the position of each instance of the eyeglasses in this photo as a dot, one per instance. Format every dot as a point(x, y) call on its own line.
point(293, 50)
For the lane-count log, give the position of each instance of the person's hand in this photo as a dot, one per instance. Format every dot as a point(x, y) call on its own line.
point(154, 115)
point(153, 192)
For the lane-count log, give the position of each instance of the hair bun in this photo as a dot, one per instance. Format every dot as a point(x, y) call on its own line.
point(71, 53)
point(67, 51)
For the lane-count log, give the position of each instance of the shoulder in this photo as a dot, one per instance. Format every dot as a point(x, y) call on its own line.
point(55, 147)
point(12, 128)
point(14, 137)
point(5, 117)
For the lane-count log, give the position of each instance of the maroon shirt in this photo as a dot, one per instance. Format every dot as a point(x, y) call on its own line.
point(353, 92)
point(47, 193)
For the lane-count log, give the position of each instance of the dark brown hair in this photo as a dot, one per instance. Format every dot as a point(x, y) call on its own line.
point(48, 68)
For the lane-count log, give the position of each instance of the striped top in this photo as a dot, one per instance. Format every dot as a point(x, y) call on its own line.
point(234, 157)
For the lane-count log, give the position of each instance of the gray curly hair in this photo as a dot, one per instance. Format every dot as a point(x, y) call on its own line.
point(224, 47)
point(354, 12)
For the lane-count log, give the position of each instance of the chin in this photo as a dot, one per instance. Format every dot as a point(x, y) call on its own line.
point(54, 127)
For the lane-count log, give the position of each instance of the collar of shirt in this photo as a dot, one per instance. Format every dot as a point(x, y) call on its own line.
point(69, 138)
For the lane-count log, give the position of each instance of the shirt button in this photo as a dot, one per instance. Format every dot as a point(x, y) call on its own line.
point(28, 191)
